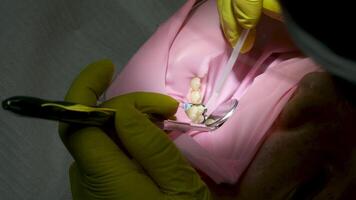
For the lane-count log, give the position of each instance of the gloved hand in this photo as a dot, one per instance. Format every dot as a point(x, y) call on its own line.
point(236, 15)
point(155, 168)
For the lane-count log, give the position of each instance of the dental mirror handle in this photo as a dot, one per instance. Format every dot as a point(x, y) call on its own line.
point(226, 70)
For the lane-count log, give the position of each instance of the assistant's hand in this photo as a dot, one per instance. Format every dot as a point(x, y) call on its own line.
point(236, 15)
point(102, 170)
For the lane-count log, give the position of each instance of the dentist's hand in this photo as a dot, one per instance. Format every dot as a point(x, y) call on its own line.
point(236, 15)
point(151, 166)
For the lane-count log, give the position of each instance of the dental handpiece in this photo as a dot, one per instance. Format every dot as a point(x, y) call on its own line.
point(70, 112)
point(58, 110)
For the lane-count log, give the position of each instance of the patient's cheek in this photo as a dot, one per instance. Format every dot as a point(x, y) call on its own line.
point(311, 142)
point(313, 102)
point(318, 109)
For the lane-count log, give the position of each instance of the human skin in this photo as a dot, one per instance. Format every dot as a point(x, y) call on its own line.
point(310, 151)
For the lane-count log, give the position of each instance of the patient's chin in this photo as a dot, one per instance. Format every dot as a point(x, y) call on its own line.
point(314, 157)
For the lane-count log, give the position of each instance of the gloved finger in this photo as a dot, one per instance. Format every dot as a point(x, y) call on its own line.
point(89, 187)
point(272, 9)
point(93, 150)
point(100, 160)
point(231, 27)
point(91, 83)
point(87, 87)
point(250, 40)
point(96, 155)
point(75, 183)
point(247, 12)
point(150, 146)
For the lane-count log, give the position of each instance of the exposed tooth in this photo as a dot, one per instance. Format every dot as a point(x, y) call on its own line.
point(199, 119)
point(195, 113)
point(192, 112)
point(210, 121)
point(195, 97)
point(195, 83)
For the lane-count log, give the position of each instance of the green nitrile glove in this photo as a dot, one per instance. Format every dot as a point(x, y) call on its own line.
point(236, 15)
point(101, 170)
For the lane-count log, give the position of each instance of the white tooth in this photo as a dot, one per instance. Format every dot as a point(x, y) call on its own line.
point(209, 121)
point(191, 112)
point(195, 83)
point(195, 113)
point(195, 97)
point(200, 109)
point(199, 119)
point(192, 117)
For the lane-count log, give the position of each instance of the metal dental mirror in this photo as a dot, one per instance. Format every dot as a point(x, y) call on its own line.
point(212, 122)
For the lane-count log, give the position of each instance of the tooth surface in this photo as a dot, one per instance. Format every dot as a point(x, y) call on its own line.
point(210, 121)
point(195, 97)
point(195, 113)
point(195, 83)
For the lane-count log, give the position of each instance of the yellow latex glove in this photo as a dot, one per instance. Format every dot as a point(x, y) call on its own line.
point(236, 15)
point(154, 169)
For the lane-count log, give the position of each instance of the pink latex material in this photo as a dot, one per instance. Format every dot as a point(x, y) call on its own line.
point(191, 44)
